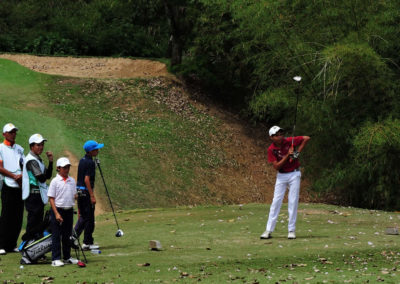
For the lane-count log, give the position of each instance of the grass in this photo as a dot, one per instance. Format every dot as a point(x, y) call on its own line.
point(22, 103)
point(154, 154)
point(222, 245)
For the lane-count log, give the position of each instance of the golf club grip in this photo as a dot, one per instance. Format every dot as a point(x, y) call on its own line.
point(290, 158)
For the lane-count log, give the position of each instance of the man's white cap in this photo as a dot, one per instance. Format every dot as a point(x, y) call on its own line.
point(274, 129)
point(62, 162)
point(36, 138)
point(8, 127)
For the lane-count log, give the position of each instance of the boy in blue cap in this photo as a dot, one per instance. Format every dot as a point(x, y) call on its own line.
point(86, 198)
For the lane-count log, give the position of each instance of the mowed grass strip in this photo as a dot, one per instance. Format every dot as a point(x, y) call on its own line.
point(23, 103)
point(221, 244)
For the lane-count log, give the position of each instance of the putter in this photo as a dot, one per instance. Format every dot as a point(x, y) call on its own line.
point(295, 154)
point(119, 233)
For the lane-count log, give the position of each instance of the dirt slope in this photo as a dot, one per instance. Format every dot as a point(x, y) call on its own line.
point(91, 67)
point(250, 180)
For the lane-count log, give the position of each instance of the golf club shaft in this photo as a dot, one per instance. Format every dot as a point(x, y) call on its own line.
point(295, 115)
point(295, 119)
point(79, 244)
point(108, 194)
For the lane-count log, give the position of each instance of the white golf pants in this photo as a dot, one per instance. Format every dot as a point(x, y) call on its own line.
point(283, 181)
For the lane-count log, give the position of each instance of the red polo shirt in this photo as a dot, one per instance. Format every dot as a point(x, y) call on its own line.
point(276, 153)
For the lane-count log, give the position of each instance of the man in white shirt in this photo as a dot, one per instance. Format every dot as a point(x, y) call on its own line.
point(12, 205)
point(34, 187)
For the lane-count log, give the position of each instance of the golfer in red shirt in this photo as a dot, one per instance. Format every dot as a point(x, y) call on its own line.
point(282, 156)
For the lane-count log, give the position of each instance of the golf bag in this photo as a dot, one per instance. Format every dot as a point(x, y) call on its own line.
point(35, 249)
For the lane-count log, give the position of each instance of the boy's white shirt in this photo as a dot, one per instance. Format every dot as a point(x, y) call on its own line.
point(57, 188)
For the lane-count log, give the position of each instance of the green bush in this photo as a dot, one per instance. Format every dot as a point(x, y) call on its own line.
point(371, 177)
point(52, 45)
point(376, 152)
point(273, 105)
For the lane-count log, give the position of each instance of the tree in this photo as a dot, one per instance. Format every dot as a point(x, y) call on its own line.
point(181, 16)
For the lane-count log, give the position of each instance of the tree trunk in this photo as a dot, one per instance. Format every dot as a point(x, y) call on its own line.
point(176, 52)
point(175, 14)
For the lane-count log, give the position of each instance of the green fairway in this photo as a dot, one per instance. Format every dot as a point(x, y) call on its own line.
point(221, 244)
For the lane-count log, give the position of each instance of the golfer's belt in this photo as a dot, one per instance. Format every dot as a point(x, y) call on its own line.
point(35, 190)
point(82, 192)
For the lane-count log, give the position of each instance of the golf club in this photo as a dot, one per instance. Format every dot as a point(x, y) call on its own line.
point(119, 233)
point(76, 245)
point(295, 154)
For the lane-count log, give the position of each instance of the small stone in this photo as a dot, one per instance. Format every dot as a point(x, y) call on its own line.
point(155, 245)
point(392, 231)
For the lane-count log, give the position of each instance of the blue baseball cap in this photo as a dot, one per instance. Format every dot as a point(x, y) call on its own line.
point(92, 145)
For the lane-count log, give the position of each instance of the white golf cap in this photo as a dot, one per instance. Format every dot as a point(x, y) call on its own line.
point(62, 162)
point(36, 138)
point(9, 127)
point(274, 129)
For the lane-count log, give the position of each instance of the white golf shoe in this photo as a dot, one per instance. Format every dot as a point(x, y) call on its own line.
point(89, 247)
point(266, 235)
point(57, 263)
point(291, 235)
point(71, 260)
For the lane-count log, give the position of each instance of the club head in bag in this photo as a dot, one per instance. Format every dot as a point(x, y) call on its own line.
point(119, 233)
point(81, 264)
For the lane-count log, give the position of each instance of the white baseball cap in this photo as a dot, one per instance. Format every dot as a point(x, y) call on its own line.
point(62, 162)
point(36, 138)
point(274, 129)
point(9, 127)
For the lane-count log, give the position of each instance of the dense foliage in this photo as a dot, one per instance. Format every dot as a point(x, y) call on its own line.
point(245, 52)
point(97, 27)
point(346, 52)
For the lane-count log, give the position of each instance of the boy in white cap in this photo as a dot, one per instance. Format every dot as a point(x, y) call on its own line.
point(86, 198)
point(34, 187)
point(62, 193)
point(12, 205)
point(284, 159)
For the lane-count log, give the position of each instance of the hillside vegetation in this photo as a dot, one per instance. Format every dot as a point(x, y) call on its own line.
point(162, 148)
point(347, 54)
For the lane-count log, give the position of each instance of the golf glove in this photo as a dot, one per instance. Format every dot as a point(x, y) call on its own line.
point(295, 155)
